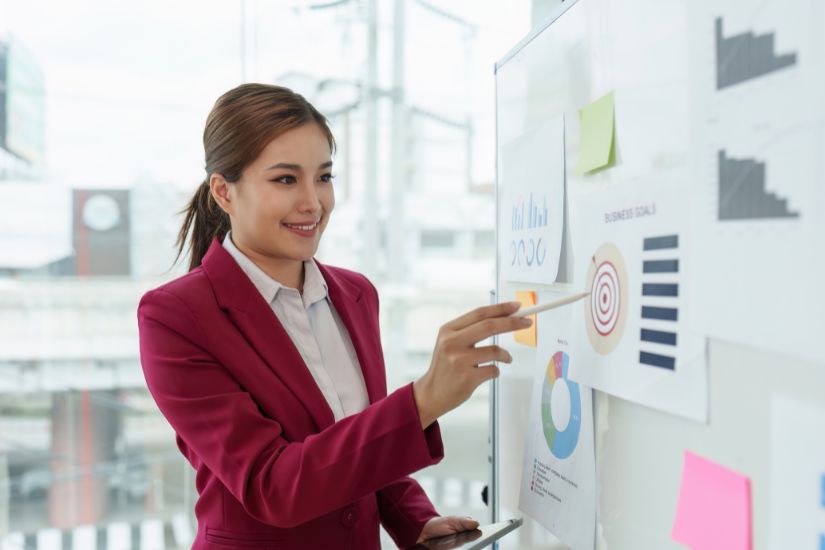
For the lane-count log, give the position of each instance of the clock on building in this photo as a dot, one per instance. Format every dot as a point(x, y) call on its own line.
point(101, 212)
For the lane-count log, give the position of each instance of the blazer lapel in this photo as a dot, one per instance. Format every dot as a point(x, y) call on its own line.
point(257, 322)
point(347, 299)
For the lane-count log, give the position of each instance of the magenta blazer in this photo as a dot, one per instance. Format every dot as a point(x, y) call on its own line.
point(274, 470)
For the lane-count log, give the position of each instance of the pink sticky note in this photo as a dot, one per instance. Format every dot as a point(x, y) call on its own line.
point(714, 509)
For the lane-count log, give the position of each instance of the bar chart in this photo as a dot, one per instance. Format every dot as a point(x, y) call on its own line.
point(742, 191)
point(660, 293)
point(530, 210)
point(745, 56)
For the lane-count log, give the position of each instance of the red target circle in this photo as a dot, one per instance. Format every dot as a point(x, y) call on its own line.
point(605, 298)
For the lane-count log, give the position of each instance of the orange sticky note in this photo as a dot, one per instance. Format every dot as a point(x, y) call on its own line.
point(527, 336)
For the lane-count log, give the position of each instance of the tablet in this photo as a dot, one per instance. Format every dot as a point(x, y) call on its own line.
point(482, 537)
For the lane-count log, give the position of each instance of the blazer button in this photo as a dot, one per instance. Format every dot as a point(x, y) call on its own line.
point(348, 517)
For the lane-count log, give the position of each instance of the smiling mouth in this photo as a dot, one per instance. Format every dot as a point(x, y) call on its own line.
point(308, 227)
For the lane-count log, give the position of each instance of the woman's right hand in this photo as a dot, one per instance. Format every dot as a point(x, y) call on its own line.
point(455, 371)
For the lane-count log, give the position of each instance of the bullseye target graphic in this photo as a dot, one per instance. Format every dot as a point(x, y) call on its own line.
point(605, 302)
point(606, 309)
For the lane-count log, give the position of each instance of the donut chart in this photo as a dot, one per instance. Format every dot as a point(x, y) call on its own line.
point(606, 310)
point(561, 442)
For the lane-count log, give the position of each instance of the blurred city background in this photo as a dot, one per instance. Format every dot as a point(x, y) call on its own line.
point(102, 107)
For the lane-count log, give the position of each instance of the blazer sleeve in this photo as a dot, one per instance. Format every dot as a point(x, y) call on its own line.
point(278, 482)
point(403, 505)
point(404, 508)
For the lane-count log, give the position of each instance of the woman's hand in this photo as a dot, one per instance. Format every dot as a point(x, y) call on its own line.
point(447, 525)
point(454, 373)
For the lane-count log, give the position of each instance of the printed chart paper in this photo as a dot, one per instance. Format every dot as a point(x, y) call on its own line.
point(531, 212)
point(629, 337)
point(758, 151)
point(559, 471)
point(797, 475)
point(714, 509)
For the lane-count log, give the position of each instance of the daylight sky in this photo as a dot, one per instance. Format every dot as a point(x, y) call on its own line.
point(129, 85)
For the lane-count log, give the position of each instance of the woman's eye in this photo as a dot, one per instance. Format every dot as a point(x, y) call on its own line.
point(327, 178)
point(285, 179)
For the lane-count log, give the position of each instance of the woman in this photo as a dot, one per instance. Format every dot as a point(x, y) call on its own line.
point(268, 364)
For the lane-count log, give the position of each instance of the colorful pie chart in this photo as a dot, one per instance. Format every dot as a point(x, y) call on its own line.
point(560, 408)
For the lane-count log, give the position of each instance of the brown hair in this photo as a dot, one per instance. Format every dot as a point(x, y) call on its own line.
point(241, 124)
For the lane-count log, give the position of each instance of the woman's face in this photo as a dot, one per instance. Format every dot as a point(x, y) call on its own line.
point(281, 205)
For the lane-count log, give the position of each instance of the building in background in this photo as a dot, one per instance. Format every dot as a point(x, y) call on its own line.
point(22, 113)
point(82, 442)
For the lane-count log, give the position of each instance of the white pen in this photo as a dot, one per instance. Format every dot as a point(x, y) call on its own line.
point(538, 308)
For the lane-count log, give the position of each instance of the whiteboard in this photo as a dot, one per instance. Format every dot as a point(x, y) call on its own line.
point(648, 52)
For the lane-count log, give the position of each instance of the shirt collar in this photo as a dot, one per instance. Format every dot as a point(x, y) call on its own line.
point(315, 287)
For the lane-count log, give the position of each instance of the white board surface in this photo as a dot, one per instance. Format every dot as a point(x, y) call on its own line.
point(652, 54)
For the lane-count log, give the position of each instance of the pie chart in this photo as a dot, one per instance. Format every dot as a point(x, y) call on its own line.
point(560, 408)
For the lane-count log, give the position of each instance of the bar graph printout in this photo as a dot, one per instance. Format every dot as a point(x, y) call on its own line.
point(630, 337)
point(531, 212)
point(762, 225)
point(758, 144)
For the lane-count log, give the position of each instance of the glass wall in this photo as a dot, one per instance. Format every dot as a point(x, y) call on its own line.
point(101, 117)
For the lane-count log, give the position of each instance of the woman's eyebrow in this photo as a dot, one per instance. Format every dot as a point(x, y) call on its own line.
point(288, 166)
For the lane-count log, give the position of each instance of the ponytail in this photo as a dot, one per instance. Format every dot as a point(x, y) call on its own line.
point(204, 220)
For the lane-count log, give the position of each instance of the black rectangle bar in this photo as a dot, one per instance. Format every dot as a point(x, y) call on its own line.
point(660, 243)
point(659, 337)
point(660, 289)
point(660, 266)
point(660, 313)
point(656, 360)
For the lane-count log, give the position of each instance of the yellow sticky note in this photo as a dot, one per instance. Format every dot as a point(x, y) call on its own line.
point(527, 336)
point(597, 149)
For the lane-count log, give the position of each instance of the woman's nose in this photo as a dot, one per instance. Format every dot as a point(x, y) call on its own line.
point(309, 201)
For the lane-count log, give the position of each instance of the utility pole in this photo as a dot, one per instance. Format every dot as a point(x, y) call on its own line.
point(243, 40)
point(397, 305)
point(399, 158)
point(370, 205)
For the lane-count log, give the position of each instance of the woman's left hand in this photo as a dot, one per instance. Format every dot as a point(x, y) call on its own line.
point(441, 526)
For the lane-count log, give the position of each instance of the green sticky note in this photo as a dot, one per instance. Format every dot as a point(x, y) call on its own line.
point(596, 147)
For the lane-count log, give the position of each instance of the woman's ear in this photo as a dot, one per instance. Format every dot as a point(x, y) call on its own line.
point(219, 188)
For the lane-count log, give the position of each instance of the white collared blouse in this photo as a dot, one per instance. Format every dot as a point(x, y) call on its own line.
point(316, 330)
